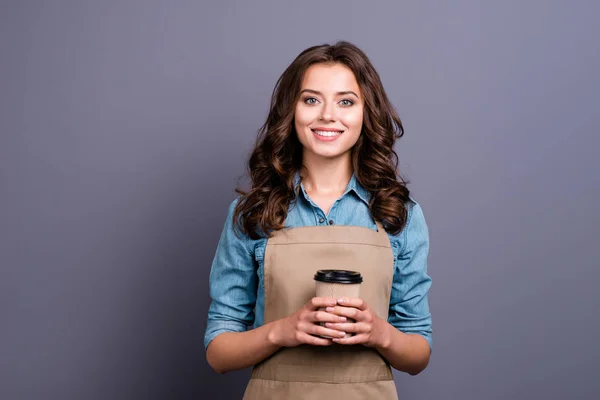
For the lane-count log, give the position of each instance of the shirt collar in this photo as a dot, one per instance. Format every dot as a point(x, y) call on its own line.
point(353, 186)
point(360, 191)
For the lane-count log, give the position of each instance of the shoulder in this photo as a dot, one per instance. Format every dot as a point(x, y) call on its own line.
point(231, 211)
point(233, 229)
point(415, 228)
point(415, 216)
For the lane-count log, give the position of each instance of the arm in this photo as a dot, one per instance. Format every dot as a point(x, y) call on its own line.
point(406, 352)
point(409, 317)
point(233, 287)
point(237, 350)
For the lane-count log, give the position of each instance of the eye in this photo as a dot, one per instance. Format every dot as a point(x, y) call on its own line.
point(311, 100)
point(346, 103)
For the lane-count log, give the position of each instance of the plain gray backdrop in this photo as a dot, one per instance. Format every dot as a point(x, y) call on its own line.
point(126, 124)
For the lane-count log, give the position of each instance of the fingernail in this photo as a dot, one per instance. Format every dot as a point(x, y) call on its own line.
point(342, 334)
point(332, 302)
point(329, 309)
point(341, 301)
point(328, 325)
point(342, 319)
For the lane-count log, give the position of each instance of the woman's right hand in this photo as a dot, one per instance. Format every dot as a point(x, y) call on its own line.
point(303, 327)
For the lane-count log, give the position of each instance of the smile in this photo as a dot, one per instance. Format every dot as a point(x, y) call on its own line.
point(328, 133)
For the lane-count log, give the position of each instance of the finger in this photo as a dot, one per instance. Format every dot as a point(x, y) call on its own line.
point(353, 302)
point(319, 330)
point(314, 340)
point(348, 312)
point(322, 316)
point(356, 339)
point(321, 302)
point(350, 327)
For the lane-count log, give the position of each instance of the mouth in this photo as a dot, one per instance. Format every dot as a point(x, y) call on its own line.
point(327, 134)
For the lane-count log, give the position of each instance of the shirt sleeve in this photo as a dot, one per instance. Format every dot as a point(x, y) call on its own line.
point(409, 307)
point(233, 283)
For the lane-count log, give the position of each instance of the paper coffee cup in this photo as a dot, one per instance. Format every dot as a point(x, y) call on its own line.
point(338, 283)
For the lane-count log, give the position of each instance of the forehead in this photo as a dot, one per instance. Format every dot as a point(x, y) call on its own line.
point(330, 78)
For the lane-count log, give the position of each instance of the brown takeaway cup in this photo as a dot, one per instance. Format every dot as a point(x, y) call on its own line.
point(338, 283)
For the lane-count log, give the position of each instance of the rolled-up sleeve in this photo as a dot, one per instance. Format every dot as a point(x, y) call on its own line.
point(233, 283)
point(409, 306)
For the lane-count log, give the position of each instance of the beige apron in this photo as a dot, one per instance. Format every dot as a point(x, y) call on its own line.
point(348, 372)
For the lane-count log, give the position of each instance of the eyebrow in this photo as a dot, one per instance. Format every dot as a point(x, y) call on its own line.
point(338, 93)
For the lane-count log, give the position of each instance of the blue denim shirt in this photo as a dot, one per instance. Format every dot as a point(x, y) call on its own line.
point(236, 276)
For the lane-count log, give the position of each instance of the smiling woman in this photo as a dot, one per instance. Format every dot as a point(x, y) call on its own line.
point(325, 193)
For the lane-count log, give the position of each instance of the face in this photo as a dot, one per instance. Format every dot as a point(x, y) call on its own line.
point(329, 113)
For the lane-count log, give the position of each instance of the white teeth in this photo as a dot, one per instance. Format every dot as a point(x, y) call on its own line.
point(328, 133)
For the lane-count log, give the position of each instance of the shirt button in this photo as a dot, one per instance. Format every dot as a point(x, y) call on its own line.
point(321, 220)
point(330, 222)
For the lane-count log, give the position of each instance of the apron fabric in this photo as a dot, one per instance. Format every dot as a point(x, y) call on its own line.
point(349, 372)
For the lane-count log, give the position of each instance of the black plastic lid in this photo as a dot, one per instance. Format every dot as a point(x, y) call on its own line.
point(338, 276)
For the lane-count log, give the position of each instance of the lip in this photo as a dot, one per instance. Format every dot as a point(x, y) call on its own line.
point(326, 138)
point(320, 128)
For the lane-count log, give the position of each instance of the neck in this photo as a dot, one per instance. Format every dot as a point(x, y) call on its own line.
point(326, 176)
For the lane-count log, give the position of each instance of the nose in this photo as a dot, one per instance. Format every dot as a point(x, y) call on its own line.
point(327, 112)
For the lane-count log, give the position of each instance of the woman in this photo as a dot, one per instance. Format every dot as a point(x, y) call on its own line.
point(325, 195)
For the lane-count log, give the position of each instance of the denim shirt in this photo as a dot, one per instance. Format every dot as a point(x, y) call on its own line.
point(236, 276)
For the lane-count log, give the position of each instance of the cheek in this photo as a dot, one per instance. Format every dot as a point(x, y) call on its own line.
point(354, 120)
point(301, 121)
point(304, 116)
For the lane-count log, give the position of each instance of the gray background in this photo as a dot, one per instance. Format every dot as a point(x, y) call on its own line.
point(125, 126)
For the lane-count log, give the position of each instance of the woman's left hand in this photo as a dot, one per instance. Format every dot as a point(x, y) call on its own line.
point(369, 329)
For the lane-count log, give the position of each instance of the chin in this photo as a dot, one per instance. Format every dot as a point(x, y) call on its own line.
point(329, 154)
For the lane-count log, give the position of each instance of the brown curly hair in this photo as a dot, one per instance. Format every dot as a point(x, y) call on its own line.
point(277, 154)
